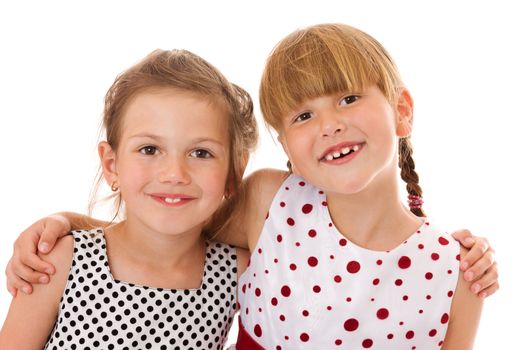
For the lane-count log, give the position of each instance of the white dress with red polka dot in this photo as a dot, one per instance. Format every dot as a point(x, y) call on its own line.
point(308, 287)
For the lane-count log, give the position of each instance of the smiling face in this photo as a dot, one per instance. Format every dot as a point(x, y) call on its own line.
point(344, 142)
point(171, 162)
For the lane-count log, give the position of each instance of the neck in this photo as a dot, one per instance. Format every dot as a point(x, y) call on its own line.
point(374, 218)
point(130, 241)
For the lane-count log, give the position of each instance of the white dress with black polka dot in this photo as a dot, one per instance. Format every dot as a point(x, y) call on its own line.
point(99, 312)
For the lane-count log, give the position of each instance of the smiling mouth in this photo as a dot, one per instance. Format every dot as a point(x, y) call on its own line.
point(343, 152)
point(172, 200)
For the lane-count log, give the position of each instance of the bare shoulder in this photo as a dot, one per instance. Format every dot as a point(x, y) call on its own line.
point(261, 187)
point(465, 314)
point(62, 253)
point(41, 305)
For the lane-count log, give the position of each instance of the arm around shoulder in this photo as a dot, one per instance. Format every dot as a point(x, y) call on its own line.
point(249, 208)
point(464, 317)
point(31, 318)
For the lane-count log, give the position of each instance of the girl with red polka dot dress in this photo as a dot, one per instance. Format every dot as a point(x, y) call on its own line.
point(178, 136)
point(338, 261)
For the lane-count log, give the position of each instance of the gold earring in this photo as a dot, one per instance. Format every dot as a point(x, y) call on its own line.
point(114, 186)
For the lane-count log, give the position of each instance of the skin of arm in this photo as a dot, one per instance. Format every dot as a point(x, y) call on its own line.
point(256, 195)
point(31, 318)
point(465, 314)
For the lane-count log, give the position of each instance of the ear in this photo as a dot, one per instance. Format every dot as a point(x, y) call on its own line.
point(108, 162)
point(404, 114)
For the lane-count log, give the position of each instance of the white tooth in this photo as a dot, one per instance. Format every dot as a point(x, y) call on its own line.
point(345, 150)
point(172, 200)
point(329, 157)
point(336, 154)
point(355, 148)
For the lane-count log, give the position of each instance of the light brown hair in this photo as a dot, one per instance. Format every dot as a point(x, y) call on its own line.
point(325, 59)
point(187, 72)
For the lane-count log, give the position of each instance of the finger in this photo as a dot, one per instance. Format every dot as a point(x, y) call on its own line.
point(29, 275)
point(55, 227)
point(479, 250)
point(480, 267)
point(465, 237)
point(15, 283)
point(489, 291)
point(35, 263)
point(486, 281)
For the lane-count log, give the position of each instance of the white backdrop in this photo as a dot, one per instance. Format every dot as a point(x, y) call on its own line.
point(463, 62)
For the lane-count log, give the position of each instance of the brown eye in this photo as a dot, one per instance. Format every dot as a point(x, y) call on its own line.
point(148, 150)
point(349, 99)
point(303, 116)
point(201, 153)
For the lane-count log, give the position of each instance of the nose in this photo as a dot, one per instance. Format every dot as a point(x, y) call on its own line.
point(331, 124)
point(174, 171)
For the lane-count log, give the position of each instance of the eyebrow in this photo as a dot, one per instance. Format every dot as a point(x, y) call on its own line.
point(157, 137)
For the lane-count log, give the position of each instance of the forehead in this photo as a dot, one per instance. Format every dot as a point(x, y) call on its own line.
point(165, 110)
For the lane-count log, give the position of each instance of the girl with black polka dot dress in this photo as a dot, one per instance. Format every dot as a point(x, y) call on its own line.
point(177, 141)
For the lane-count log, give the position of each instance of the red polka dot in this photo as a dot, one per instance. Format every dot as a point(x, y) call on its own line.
point(307, 208)
point(312, 233)
point(316, 289)
point(274, 301)
point(282, 204)
point(286, 291)
point(375, 282)
point(304, 337)
point(379, 262)
point(444, 318)
point(259, 251)
point(287, 188)
point(405, 297)
point(382, 313)
point(257, 330)
point(293, 267)
point(390, 336)
point(305, 313)
point(428, 297)
point(244, 288)
point(353, 266)
point(257, 292)
point(398, 282)
point(282, 318)
point(324, 203)
point(450, 294)
point(409, 335)
point(312, 261)
point(420, 246)
point(338, 342)
point(432, 333)
point(443, 241)
point(404, 262)
point(429, 275)
point(290, 221)
point(342, 242)
point(351, 324)
point(337, 279)
point(367, 343)
point(276, 260)
point(301, 183)
point(434, 256)
point(328, 308)
point(279, 238)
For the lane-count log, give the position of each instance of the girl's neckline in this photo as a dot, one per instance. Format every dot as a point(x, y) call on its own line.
point(102, 233)
point(331, 226)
